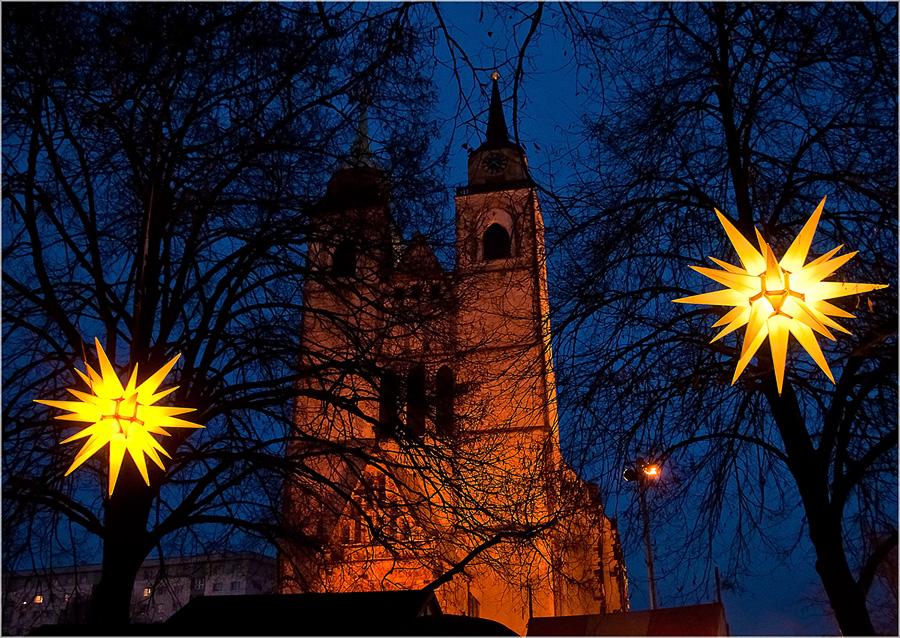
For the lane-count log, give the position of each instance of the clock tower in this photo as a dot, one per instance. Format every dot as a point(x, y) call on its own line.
point(438, 454)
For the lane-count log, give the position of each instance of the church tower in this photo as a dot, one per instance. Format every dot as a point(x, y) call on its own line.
point(500, 258)
point(430, 409)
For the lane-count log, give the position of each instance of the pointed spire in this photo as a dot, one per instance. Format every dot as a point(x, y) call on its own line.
point(361, 151)
point(358, 178)
point(496, 128)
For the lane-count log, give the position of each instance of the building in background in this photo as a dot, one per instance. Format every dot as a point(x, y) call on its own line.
point(62, 595)
point(432, 418)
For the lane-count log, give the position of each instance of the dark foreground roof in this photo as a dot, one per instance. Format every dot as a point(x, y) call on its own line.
point(693, 620)
point(396, 613)
point(302, 614)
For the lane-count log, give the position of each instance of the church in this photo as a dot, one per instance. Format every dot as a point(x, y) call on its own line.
point(428, 421)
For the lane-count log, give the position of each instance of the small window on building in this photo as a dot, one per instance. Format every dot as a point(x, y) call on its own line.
point(39, 599)
point(160, 608)
point(147, 591)
point(496, 243)
point(217, 586)
point(198, 582)
point(343, 264)
point(237, 585)
point(403, 528)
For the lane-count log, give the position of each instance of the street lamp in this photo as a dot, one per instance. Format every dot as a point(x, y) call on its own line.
point(644, 473)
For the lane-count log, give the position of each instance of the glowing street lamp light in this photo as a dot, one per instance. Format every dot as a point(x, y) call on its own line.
point(776, 299)
point(644, 473)
point(651, 471)
point(123, 417)
point(641, 470)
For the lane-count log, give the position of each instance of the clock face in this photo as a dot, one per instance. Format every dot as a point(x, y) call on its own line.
point(494, 164)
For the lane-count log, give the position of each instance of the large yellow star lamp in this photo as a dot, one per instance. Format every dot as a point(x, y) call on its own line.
point(775, 299)
point(125, 418)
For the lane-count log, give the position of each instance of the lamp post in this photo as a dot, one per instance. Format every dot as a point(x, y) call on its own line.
point(644, 473)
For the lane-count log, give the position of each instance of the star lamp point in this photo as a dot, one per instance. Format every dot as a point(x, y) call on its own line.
point(122, 417)
point(778, 298)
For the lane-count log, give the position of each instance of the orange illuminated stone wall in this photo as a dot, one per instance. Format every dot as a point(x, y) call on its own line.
point(418, 477)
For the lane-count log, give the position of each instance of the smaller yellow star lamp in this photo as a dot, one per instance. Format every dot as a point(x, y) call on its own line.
point(775, 299)
point(125, 418)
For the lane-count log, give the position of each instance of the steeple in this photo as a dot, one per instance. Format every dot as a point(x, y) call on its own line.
point(358, 179)
point(496, 128)
point(498, 161)
point(361, 151)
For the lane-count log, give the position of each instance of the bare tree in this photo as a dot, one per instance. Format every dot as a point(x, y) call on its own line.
point(759, 110)
point(160, 162)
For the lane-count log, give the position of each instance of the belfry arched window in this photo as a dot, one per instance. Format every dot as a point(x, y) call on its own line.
point(416, 400)
point(343, 263)
point(444, 394)
point(496, 243)
point(389, 393)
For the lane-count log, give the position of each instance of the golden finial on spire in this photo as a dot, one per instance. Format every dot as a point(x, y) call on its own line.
point(495, 76)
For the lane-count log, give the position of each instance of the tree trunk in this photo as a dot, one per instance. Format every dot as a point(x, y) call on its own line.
point(810, 471)
point(125, 546)
point(847, 598)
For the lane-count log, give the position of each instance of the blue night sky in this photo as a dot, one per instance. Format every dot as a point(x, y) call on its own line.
point(781, 597)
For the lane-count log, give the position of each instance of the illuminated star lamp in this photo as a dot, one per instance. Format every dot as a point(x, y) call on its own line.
point(125, 418)
point(777, 298)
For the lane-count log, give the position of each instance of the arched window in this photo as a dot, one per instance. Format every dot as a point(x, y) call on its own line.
point(496, 243)
point(343, 264)
point(445, 393)
point(416, 400)
point(357, 526)
point(388, 395)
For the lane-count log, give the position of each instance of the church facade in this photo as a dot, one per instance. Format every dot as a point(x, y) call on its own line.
point(432, 441)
